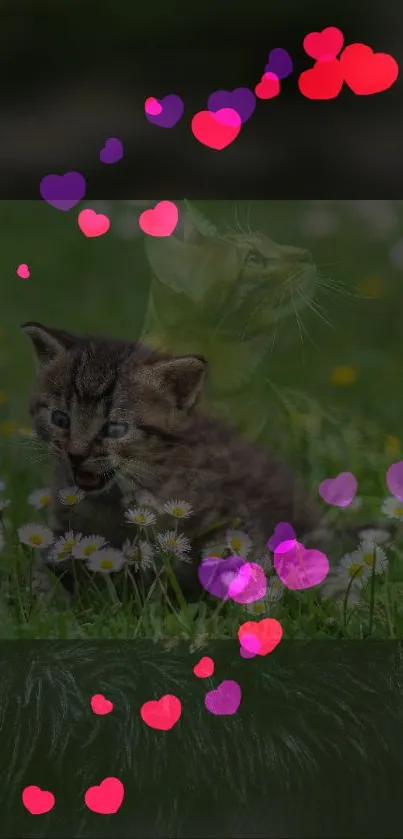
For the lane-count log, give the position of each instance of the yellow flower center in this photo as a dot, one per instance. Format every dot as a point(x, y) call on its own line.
point(355, 569)
point(399, 510)
point(258, 608)
point(217, 554)
point(106, 564)
point(69, 545)
point(71, 499)
point(90, 549)
point(177, 511)
point(35, 539)
point(369, 559)
point(141, 518)
point(236, 543)
point(44, 499)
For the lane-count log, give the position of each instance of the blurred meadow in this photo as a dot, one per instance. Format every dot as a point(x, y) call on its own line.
point(327, 388)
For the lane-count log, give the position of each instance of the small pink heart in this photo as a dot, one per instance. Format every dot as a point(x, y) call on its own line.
point(298, 567)
point(23, 271)
point(105, 798)
point(249, 585)
point(100, 705)
point(339, 491)
point(37, 801)
point(160, 221)
point(394, 479)
point(325, 45)
point(93, 224)
point(152, 106)
point(204, 668)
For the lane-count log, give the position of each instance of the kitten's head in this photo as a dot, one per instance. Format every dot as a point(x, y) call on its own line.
point(252, 276)
point(106, 407)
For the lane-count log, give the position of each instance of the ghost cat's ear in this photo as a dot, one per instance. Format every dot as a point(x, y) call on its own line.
point(47, 343)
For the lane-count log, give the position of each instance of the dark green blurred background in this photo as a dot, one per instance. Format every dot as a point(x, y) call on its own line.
point(101, 285)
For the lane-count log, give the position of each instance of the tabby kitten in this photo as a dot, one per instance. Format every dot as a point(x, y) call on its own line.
point(122, 418)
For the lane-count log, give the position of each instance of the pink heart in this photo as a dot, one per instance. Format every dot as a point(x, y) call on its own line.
point(299, 567)
point(100, 705)
point(93, 224)
point(105, 798)
point(152, 106)
point(37, 801)
point(394, 479)
point(160, 221)
point(249, 585)
point(23, 271)
point(339, 491)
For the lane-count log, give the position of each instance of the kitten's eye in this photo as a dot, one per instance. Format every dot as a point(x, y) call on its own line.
point(115, 430)
point(61, 419)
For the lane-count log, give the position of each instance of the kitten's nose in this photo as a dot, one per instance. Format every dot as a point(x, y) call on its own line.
point(76, 458)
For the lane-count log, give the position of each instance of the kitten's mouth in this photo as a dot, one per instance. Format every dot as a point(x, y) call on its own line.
point(90, 481)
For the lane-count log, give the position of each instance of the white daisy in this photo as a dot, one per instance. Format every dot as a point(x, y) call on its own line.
point(40, 498)
point(35, 535)
point(106, 561)
point(368, 553)
point(373, 535)
point(174, 543)
point(4, 503)
point(215, 549)
point(178, 509)
point(71, 496)
point(238, 542)
point(140, 516)
point(355, 504)
point(87, 546)
point(140, 555)
point(65, 545)
point(352, 567)
point(393, 508)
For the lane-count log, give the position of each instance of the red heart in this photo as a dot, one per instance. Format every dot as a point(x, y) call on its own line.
point(268, 632)
point(100, 705)
point(105, 798)
point(204, 668)
point(366, 71)
point(268, 87)
point(37, 801)
point(323, 81)
point(163, 713)
point(208, 129)
point(324, 45)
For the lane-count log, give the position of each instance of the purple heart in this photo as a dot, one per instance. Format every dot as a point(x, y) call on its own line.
point(216, 575)
point(172, 111)
point(339, 491)
point(225, 700)
point(280, 63)
point(282, 533)
point(63, 191)
point(112, 151)
point(298, 567)
point(394, 479)
point(241, 100)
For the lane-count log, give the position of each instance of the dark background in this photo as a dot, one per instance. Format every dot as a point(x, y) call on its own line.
point(73, 74)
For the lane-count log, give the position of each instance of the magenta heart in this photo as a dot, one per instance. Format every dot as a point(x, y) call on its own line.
point(283, 532)
point(171, 112)
point(242, 100)
point(394, 479)
point(339, 491)
point(112, 151)
point(225, 700)
point(299, 567)
point(217, 575)
point(249, 585)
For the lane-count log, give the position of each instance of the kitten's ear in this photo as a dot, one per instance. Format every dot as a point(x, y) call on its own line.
point(183, 377)
point(47, 343)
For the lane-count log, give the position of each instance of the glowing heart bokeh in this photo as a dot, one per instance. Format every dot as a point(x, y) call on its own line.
point(298, 567)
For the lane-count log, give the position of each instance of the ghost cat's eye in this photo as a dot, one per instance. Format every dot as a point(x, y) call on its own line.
point(61, 419)
point(115, 430)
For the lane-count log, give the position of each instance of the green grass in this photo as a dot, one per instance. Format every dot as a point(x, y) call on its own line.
point(102, 285)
